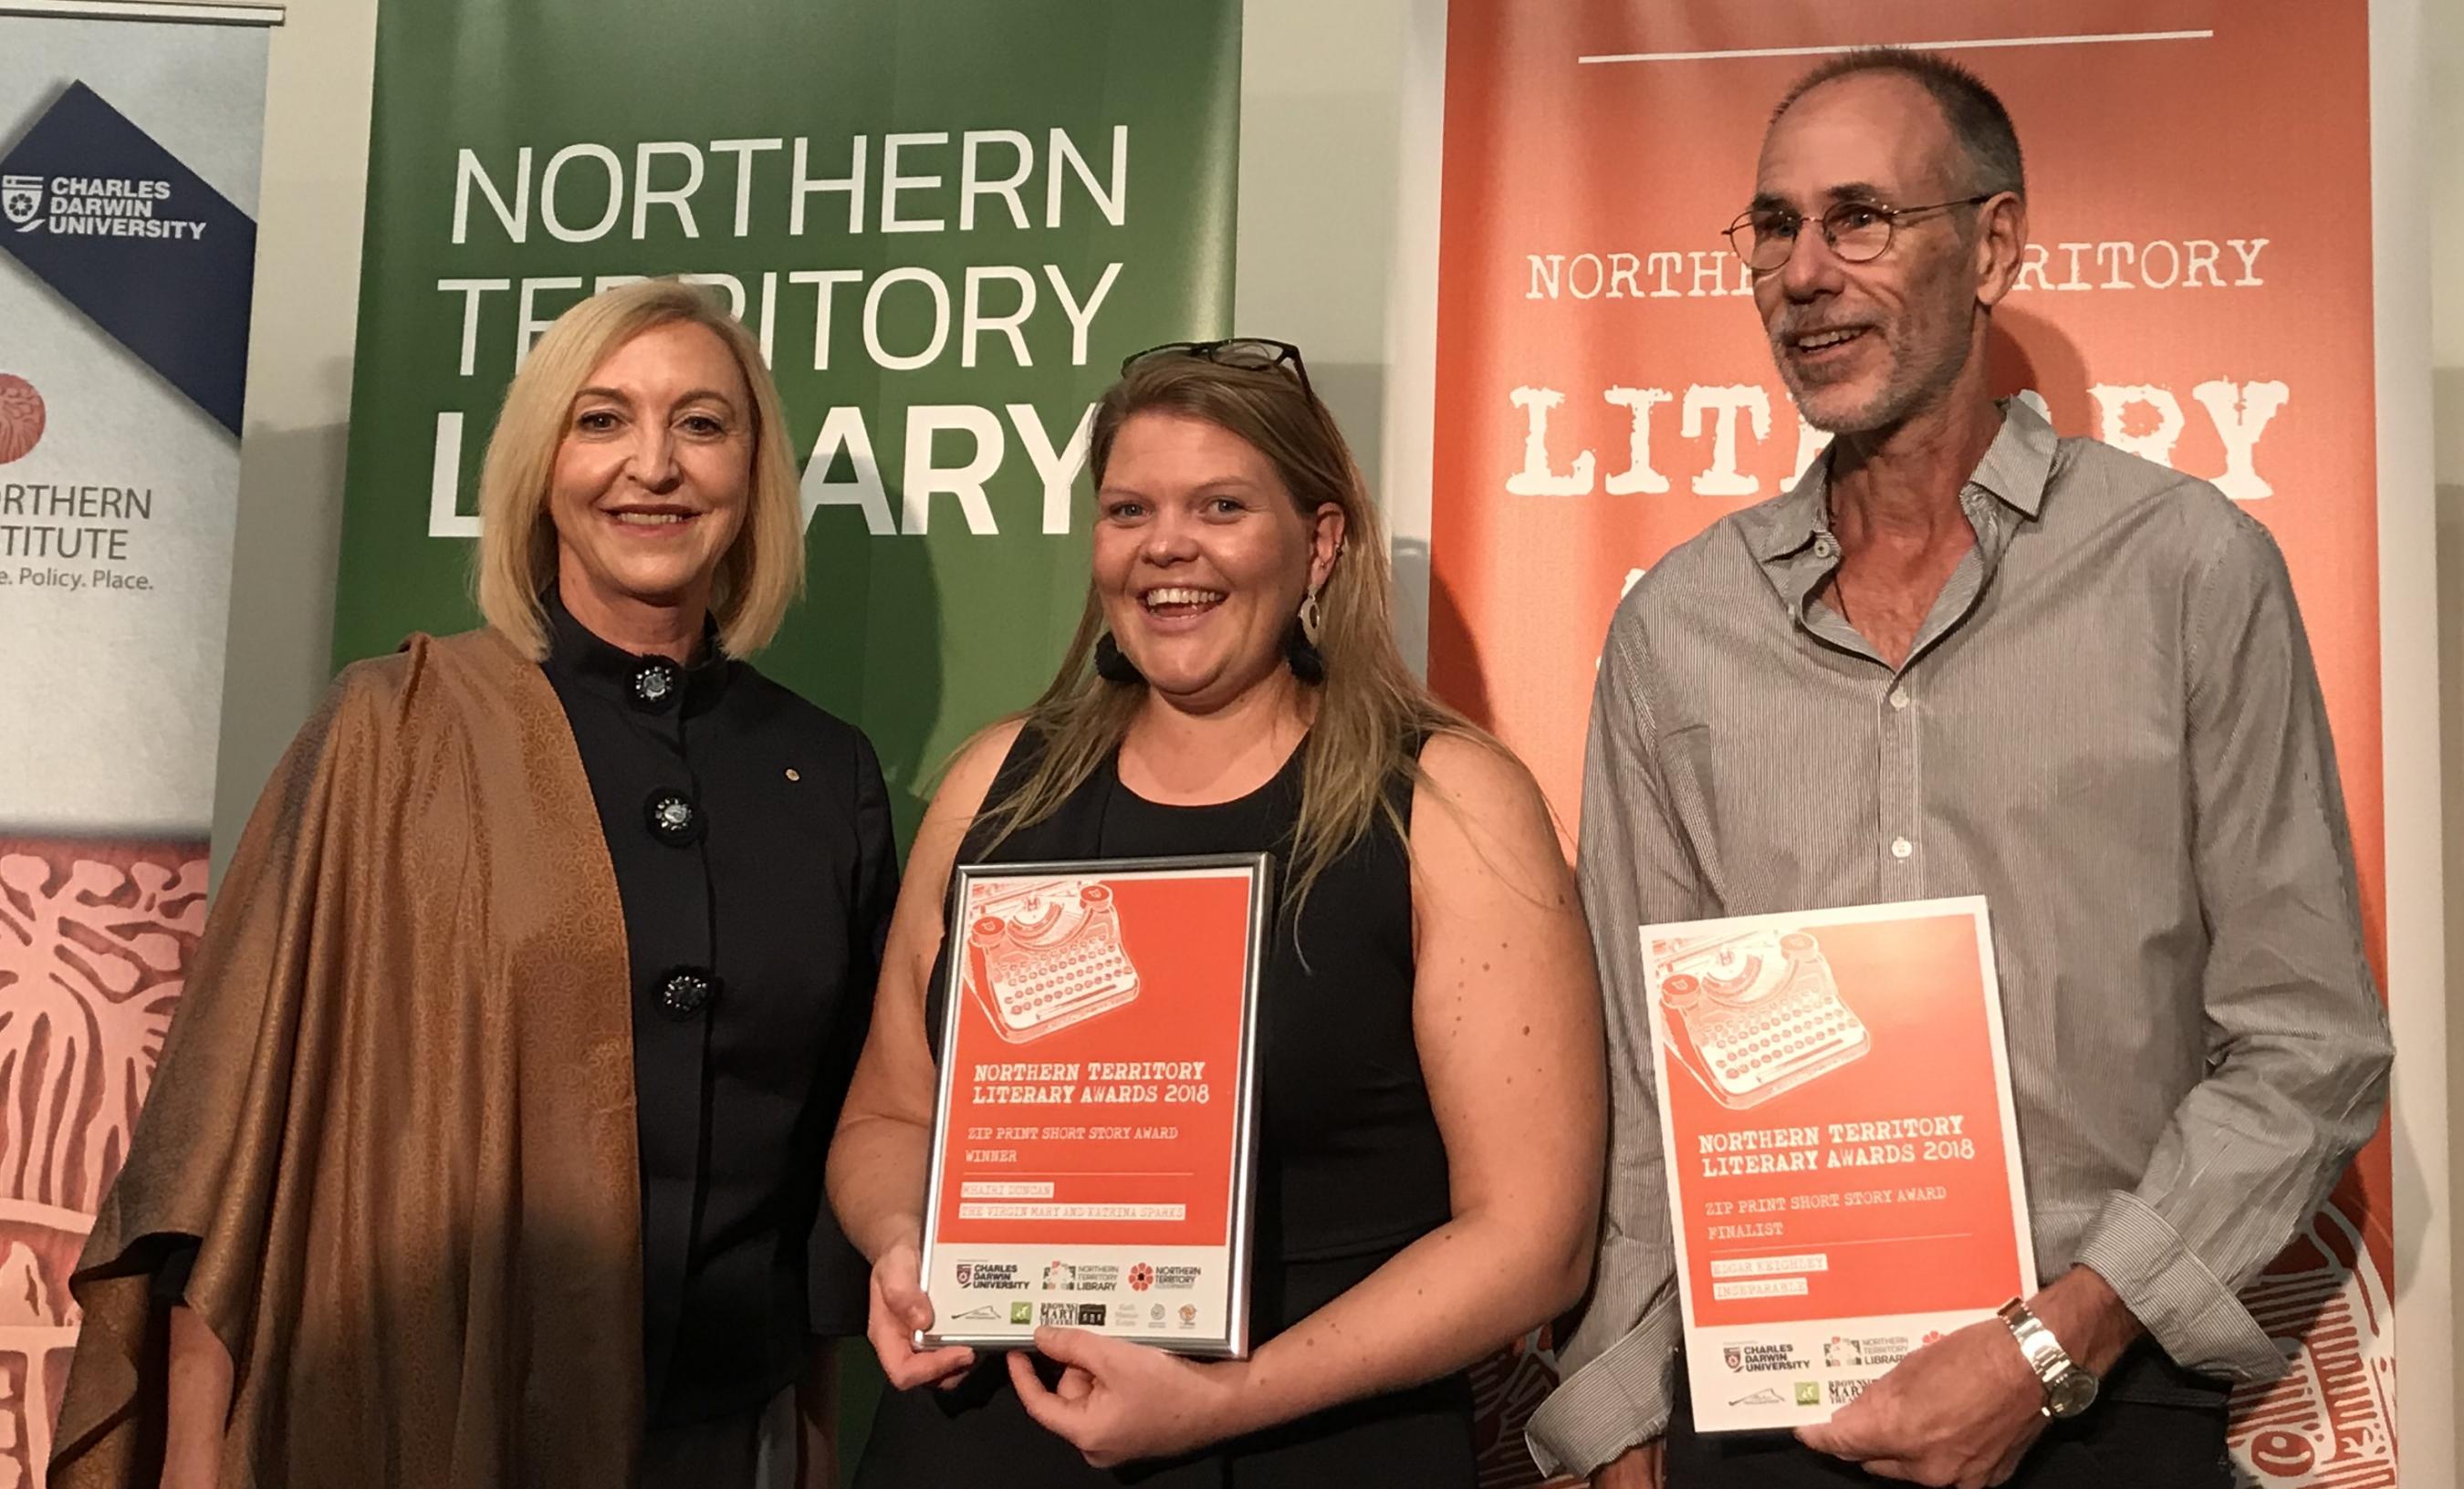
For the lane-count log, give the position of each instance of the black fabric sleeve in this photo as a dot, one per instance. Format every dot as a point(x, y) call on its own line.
point(838, 1276)
point(171, 1274)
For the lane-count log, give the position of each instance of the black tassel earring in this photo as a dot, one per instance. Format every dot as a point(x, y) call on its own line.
point(1300, 644)
point(1111, 666)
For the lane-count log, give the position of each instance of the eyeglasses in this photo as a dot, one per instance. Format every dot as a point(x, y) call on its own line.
point(1249, 354)
point(1857, 232)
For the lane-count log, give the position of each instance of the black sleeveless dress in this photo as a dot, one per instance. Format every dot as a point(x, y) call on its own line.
point(1350, 1169)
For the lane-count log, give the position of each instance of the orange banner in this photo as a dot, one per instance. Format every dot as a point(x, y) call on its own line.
point(2197, 290)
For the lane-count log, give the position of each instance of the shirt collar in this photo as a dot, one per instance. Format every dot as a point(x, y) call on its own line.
point(1784, 527)
point(2016, 468)
point(576, 652)
point(2019, 464)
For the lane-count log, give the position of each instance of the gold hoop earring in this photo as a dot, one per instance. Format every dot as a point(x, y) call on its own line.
point(1310, 617)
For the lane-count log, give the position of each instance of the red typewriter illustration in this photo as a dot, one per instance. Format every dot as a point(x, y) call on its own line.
point(1045, 953)
point(1753, 1014)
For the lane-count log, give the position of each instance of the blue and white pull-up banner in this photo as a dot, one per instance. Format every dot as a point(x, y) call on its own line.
point(129, 155)
point(129, 143)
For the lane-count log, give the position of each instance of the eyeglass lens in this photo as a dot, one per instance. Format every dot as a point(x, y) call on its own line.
point(1250, 355)
point(1856, 231)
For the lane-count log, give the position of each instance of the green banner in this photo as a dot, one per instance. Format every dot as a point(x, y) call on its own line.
point(946, 220)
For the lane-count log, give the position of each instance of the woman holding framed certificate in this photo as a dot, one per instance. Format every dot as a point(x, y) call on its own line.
point(1428, 1054)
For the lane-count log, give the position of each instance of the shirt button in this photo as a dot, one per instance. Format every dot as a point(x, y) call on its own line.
point(656, 682)
point(686, 991)
point(672, 817)
point(1825, 546)
point(1901, 848)
point(1899, 697)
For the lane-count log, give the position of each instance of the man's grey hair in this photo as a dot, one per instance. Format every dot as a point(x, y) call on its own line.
point(1979, 124)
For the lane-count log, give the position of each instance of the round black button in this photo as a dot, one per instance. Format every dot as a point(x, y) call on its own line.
point(656, 683)
point(687, 991)
point(672, 817)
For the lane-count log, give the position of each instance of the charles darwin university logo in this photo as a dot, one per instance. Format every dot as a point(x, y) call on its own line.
point(137, 242)
point(21, 202)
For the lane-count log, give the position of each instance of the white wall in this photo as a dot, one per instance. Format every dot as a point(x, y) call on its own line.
point(310, 207)
point(2446, 185)
point(1336, 238)
point(2405, 36)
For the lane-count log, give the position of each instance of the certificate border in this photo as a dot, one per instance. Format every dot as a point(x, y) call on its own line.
point(1979, 913)
point(1233, 1343)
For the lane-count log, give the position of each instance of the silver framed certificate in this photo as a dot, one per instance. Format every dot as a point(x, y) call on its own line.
point(1094, 1131)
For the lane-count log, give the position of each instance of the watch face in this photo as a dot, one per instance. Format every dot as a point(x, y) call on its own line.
point(2070, 1394)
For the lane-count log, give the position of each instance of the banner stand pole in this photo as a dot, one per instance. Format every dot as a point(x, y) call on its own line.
point(226, 13)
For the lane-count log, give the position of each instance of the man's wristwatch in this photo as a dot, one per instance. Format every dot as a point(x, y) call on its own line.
point(2070, 1387)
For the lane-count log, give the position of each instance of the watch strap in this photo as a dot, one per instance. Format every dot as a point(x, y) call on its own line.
point(2044, 1354)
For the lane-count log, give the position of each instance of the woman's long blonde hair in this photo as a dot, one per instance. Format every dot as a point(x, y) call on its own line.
point(1370, 710)
point(763, 571)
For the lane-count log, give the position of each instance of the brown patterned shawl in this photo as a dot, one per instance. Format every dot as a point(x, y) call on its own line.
point(396, 1108)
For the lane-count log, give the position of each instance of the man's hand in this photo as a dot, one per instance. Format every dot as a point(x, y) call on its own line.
point(1966, 1409)
point(1636, 1468)
point(1961, 1411)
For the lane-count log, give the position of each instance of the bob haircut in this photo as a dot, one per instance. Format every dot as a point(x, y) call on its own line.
point(763, 571)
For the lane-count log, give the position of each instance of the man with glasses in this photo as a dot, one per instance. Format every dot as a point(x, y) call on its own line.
point(1964, 656)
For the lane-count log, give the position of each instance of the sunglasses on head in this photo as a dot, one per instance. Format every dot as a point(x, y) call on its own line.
point(1248, 353)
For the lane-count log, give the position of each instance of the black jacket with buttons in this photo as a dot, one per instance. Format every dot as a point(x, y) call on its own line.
point(753, 848)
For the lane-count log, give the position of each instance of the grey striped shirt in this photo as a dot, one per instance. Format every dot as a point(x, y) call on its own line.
point(2110, 727)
